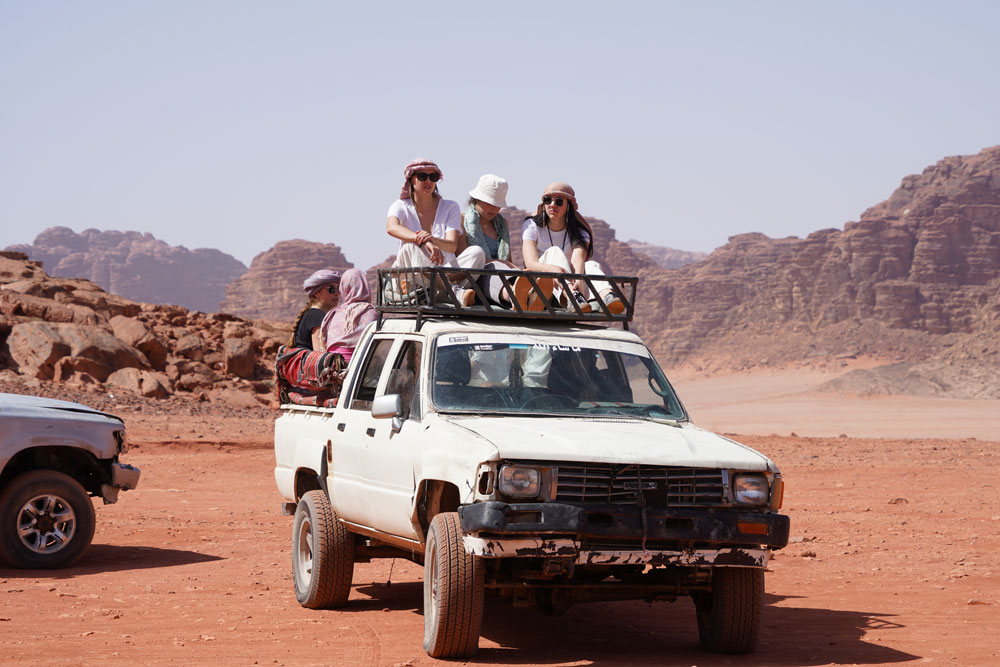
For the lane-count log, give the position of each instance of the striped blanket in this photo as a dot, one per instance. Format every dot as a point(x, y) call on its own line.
point(308, 378)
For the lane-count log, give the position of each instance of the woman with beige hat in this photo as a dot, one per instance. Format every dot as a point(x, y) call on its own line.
point(428, 226)
point(558, 239)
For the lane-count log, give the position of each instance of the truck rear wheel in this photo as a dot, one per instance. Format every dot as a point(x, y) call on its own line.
point(46, 520)
point(453, 592)
point(322, 554)
point(730, 616)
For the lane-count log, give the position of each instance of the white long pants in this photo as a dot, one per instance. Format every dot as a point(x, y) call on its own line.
point(555, 255)
point(410, 254)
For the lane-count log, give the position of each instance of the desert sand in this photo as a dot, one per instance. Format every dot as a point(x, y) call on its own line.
point(893, 557)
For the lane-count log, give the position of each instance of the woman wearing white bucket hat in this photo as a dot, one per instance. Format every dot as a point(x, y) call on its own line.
point(483, 224)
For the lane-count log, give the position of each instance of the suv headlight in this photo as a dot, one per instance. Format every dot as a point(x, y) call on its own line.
point(520, 482)
point(750, 489)
point(121, 441)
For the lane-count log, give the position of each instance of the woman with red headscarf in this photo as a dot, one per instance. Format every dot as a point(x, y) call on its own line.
point(428, 226)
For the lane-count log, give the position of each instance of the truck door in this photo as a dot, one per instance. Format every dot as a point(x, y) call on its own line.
point(389, 457)
point(349, 438)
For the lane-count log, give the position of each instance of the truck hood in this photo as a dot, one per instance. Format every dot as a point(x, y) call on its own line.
point(17, 404)
point(613, 440)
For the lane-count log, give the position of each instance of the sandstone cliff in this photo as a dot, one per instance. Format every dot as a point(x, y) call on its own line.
point(918, 275)
point(272, 288)
point(137, 266)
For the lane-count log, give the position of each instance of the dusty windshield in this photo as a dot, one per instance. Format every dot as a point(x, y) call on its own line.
point(487, 373)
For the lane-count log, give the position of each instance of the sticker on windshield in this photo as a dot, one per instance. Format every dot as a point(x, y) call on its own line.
point(487, 347)
point(556, 347)
point(458, 339)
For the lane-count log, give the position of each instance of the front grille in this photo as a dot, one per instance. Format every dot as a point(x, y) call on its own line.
point(659, 486)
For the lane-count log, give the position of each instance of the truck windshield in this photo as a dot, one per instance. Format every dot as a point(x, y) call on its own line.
point(534, 375)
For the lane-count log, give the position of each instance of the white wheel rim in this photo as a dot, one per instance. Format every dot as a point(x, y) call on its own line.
point(304, 552)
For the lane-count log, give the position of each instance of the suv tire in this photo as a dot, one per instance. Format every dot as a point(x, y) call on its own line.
point(453, 592)
point(730, 616)
point(46, 520)
point(322, 554)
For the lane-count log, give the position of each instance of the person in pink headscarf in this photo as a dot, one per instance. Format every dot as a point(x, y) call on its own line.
point(428, 226)
point(343, 325)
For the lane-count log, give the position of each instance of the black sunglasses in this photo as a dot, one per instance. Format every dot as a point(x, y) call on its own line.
point(559, 201)
point(332, 289)
point(422, 176)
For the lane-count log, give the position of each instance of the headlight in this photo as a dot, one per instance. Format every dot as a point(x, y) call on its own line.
point(520, 482)
point(121, 441)
point(750, 489)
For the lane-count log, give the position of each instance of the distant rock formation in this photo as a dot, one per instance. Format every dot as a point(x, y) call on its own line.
point(272, 288)
point(137, 266)
point(668, 258)
point(920, 267)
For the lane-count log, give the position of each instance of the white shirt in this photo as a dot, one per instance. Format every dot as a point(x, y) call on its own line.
point(545, 238)
point(448, 216)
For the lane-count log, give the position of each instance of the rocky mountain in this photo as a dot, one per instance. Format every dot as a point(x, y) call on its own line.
point(915, 280)
point(137, 266)
point(71, 331)
point(668, 258)
point(272, 288)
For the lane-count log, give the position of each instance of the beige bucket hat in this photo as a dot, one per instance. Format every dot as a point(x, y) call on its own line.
point(491, 189)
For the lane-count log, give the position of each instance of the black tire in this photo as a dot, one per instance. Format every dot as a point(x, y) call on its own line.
point(453, 592)
point(322, 554)
point(730, 616)
point(46, 521)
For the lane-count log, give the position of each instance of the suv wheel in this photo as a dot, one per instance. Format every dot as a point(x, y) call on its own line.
point(729, 617)
point(453, 592)
point(46, 520)
point(322, 554)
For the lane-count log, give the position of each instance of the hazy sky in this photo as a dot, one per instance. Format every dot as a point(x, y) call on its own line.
point(238, 124)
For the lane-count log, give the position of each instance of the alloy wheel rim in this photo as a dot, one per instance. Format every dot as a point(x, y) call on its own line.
point(46, 524)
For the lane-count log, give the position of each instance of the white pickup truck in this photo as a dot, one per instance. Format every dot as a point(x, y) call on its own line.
point(543, 461)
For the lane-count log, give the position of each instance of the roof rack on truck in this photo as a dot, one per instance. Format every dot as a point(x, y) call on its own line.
point(430, 292)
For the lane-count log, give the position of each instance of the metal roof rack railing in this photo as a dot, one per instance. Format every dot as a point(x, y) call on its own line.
point(430, 291)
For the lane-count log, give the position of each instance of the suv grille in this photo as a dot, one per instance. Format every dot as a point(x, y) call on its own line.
point(660, 486)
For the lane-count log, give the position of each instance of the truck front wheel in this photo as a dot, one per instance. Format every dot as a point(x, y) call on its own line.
point(730, 616)
point(46, 520)
point(453, 592)
point(322, 554)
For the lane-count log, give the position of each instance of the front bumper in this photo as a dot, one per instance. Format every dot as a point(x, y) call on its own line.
point(622, 534)
point(123, 478)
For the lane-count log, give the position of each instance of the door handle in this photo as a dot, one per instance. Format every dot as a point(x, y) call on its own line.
point(370, 432)
point(341, 426)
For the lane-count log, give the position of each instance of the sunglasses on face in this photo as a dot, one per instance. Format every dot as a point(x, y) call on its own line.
point(434, 177)
point(332, 289)
point(558, 201)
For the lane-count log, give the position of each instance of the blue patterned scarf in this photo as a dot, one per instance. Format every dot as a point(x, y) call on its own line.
point(474, 232)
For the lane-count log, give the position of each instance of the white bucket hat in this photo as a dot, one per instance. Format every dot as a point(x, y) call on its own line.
point(491, 189)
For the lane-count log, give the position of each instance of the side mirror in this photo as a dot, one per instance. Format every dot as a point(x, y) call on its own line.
point(389, 406)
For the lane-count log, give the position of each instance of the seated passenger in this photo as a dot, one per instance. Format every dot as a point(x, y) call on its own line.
point(303, 368)
point(428, 227)
point(558, 239)
point(343, 325)
point(323, 290)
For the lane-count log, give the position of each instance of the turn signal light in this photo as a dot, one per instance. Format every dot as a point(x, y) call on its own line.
point(752, 528)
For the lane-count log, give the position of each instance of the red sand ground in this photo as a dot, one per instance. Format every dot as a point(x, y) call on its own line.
point(894, 558)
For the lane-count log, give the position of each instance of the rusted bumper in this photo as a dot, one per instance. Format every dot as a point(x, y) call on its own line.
point(611, 528)
point(493, 547)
